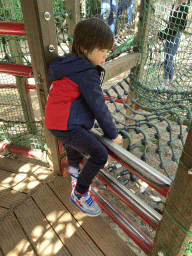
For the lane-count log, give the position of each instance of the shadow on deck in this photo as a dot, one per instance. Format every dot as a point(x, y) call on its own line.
point(37, 217)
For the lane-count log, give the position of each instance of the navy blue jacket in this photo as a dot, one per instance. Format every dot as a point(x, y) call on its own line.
point(76, 98)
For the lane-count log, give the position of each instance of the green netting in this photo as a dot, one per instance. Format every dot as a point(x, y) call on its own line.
point(158, 118)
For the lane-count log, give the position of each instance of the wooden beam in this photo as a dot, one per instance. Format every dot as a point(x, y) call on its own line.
point(175, 231)
point(120, 65)
point(73, 8)
point(41, 36)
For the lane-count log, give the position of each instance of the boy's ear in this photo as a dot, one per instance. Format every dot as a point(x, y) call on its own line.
point(83, 50)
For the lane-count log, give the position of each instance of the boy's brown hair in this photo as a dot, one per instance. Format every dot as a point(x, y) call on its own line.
point(90, 34)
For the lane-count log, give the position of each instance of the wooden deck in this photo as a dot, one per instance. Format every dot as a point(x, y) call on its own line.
point(37, 217)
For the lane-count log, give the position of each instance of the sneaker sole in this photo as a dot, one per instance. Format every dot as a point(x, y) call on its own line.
point(92, 215)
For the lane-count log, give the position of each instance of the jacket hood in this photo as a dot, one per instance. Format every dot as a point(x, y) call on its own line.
point(65, 66)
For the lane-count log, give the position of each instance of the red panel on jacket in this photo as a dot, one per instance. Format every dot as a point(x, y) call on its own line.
point(61, 95)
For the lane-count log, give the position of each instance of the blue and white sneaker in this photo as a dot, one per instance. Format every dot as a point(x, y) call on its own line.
point(85, 203)
point(163, 87)
point(73, 183)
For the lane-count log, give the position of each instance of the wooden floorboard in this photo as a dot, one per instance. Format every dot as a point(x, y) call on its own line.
point(72, 235)
point(9, 198)
point(3, 212)
point(37, 217)
point(40, 233)
point(104, 236)
point(9, 180)
point(13, 240)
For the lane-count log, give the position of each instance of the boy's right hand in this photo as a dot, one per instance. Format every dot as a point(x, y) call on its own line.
point(118, 140)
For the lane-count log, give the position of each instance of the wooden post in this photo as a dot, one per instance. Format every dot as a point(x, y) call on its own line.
point(26, 105)
point(72, 7)
point(140, 18)
point(175, 231)
point(41, 35)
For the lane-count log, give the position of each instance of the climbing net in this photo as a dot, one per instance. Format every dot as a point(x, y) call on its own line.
point(153, 119)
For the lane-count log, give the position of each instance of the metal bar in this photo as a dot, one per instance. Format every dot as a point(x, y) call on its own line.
point(136, 234)
point(12, 28)
point(141, 208)
point(155, 179)
point(16, 69)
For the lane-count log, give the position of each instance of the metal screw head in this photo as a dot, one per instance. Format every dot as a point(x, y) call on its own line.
point(161, 253)
point(190, 171)
point(47, 16)
point(51, 48)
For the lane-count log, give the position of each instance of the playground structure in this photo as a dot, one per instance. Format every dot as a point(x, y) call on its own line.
point(136, 104)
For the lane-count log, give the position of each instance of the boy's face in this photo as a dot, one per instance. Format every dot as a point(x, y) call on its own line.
point(97, 56)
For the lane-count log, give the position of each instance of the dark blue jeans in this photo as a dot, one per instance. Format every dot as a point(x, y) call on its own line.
point(129, 13)
point(170, 50)
point(109, 13)
point(80, 142)
point(125, 4)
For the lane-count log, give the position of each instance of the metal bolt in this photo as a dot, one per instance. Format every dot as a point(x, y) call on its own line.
point(39, 81)
point(47, 16)
point(51, 48)
point(161, 253)
point(190, 172)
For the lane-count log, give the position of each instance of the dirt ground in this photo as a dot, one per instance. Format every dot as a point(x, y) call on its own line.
point(153, 198)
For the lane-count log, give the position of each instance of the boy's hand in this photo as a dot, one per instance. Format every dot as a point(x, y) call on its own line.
point(118, 139)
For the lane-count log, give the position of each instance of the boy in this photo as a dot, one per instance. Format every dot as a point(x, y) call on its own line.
point(75, 101)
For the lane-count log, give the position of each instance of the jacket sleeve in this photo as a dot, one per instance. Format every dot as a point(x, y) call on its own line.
point(93, 95)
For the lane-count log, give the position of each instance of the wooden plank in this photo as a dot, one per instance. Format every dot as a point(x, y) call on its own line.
point(13, 240)
point(120, 65)
point(3, 212)
point(17, 182)
point(10, 198)
point(103, 235)
point(27, 185)
point(17, 166)
point(41, 235)
point(67, 228)
point(9, 180)
point(14, 165)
